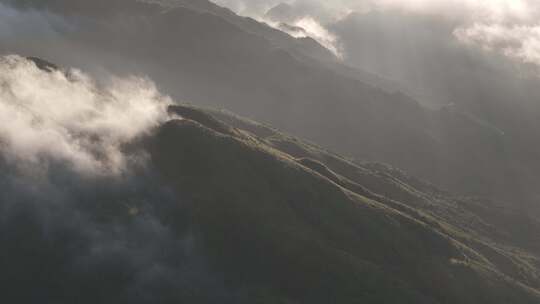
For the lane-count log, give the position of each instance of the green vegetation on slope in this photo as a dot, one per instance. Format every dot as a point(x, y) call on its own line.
point(292, 223)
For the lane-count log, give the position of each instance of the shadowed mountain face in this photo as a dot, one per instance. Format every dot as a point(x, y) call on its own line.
point(113, 193)
point(200, 52)
point(208, 207)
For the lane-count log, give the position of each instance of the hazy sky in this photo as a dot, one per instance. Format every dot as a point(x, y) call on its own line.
point(510, 27)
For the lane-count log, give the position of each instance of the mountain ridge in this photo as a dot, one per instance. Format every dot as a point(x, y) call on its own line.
point(214, 207)
point(214, 169)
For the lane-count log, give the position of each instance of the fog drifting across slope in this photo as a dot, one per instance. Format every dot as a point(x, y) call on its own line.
point(67, 116)
point(78, 206)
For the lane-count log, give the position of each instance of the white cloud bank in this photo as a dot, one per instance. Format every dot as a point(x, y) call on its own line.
point(67, 117)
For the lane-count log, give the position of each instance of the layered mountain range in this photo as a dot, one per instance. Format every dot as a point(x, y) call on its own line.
point(338, 188)
point(226, 209)
point(202, 53)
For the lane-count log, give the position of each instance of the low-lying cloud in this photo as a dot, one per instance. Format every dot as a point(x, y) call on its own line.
point(306, 26)
point(83, 219)
point(64, 115)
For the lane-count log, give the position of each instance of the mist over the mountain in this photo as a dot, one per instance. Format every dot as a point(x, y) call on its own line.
point(66, 116)
point(486, 95)
point(460, 28)
point(475, 56)
point(389, 154)
point(507, 27)
point(80, 205)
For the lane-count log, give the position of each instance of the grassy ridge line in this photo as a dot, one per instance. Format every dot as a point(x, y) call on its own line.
point(269, 213)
